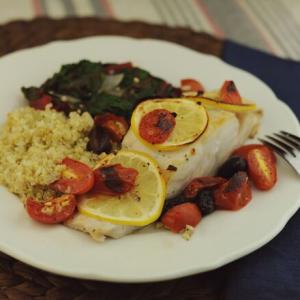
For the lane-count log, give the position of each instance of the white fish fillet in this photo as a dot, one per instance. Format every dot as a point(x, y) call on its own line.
point(225, 132)
point(97, 229)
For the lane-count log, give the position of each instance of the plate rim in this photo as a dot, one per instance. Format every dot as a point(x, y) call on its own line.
point(224, 259)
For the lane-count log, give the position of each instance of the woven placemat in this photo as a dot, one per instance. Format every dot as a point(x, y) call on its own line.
point(19, 281)
point(24, 34)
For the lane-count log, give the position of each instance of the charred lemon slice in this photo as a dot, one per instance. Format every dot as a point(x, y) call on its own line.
point(167, 124)
point(215, 95)
point(212, 100)
point(140, 206)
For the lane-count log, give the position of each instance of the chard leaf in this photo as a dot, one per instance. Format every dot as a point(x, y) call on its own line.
point(109, 103)
point(79, 80)
point(32, 93)
point(87, 85)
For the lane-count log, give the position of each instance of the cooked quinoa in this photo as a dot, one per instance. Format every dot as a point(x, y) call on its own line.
point(34, 142)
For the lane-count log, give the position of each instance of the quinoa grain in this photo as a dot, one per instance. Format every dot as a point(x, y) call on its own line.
point(34, 142)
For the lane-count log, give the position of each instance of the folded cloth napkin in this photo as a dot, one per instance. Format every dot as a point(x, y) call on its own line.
point(272, 272)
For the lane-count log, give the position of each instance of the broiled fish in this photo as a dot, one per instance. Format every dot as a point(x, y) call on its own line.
point(225, 132)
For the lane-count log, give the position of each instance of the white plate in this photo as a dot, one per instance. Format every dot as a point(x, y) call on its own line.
point(156, 255)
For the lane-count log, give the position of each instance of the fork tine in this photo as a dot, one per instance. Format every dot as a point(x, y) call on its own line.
point(282, 145)
point(288, 140)
point(297, 138)
point(277, 149)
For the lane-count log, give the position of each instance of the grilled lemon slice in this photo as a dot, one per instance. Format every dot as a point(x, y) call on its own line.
point(191, 121)
point(138, 207)
point(211, 100)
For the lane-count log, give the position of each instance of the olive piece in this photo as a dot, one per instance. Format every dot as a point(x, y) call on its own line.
point(174, 201)
point(99, 141)
point(233, 165)
point(205, 201)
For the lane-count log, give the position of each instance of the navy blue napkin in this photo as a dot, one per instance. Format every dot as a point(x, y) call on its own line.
point(272, 272)
point(282, 75)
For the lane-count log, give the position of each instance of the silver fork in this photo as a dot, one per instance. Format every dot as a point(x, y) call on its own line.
point(286, 145)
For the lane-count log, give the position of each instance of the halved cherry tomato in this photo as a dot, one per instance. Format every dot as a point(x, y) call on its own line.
point(244, 150)
point(262, 168)
point(78, 178)
point(115, 68)
point(177, 217)
point(261, 162)
point(54, 211)
point(191, 85)
point(229, 93)
point(41, 103)
point(157, 125)
point(116, 126)
point(198, 184)
point(114, 180)
point(233, 194)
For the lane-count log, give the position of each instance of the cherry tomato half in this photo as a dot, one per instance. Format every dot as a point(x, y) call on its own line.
point(54, 211)
point(262, 168)
point(177, 217)
point(157, 125)
point(114, 180)
point(198, 184)
point(41, 103)
point(229, 93)
point(244, 150)
point(191, 85)
point(233, 194)
point(261, 162)
point(116, 126)
point(78, 178)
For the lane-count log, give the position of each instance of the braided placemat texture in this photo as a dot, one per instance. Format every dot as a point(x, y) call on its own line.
point(24, 34)
point(19, 281)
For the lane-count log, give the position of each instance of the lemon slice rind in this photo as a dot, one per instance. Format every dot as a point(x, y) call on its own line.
point(131, 212)
point(195, 119)
point(215, 104)
point(211, 100)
